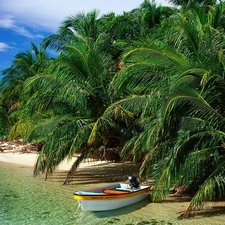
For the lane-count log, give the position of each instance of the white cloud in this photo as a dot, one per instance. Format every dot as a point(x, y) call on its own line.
point(9, 23)
point(49, 14)
point(4, 47)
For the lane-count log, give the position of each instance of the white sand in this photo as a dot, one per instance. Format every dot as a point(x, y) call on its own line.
point(29, 159)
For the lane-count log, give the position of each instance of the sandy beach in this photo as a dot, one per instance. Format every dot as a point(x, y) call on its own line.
point(17, 153)
point(14, 153)
point(91, 171)
point(98, 172)
point(29, 159)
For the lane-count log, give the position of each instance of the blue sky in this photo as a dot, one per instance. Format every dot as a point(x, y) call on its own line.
point(23, 22)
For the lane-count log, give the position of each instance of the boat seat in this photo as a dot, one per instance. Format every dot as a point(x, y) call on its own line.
point(124, 189)
point(88, 193)
point(115, 192)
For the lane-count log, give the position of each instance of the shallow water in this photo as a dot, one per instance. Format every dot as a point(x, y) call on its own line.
point(28, 200)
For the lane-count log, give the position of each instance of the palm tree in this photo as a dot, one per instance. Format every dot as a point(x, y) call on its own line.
point(80, 24)
point(64, 101)
point(151, 16)
point(189, 3)
point(4, 121)
point(78, 82)
point(196, 106)
point(183, 131)
point(24, 65)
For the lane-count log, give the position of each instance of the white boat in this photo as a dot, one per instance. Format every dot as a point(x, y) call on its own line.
point(111, 197)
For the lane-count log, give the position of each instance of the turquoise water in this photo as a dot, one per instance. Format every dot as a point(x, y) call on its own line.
point(34, 201)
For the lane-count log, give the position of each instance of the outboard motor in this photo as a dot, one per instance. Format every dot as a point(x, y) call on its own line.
point(133, 181)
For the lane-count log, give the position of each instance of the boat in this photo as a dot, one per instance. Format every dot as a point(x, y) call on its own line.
point(113, 196)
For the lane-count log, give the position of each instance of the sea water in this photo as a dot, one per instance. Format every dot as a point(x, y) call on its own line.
point(25, 199)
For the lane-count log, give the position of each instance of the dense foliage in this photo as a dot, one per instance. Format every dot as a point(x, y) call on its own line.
point(149, 82)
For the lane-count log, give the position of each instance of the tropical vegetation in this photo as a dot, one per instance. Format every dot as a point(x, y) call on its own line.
point(149, 82)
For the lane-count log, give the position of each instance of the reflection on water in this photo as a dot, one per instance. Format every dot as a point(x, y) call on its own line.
point(28, 200)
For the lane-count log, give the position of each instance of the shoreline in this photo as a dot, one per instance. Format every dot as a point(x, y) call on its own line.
point(15, 152)
point(29, 159)
point(98, 170)
point(18, 153)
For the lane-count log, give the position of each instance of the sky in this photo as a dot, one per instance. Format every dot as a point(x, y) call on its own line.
point(23, 22)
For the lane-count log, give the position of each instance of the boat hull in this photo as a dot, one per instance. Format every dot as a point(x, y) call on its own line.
point(104, 202)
